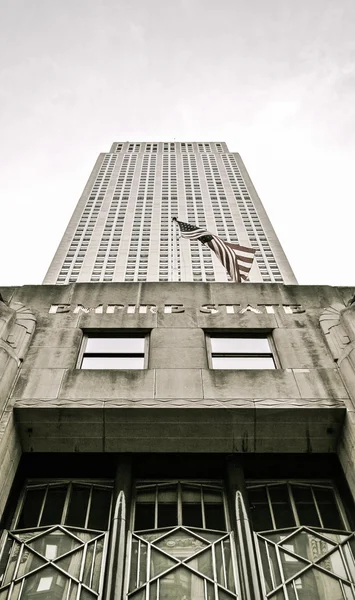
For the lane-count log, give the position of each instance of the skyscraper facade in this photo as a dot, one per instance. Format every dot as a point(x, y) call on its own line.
point(122, 229)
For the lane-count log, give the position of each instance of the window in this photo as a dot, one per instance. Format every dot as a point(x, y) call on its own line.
point(126, 351)
point(181, 532)
point(304, 540)
point(241, 352)
point(59, 533)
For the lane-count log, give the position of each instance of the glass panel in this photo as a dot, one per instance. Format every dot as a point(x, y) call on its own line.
point(153, 591)
point(350, 561)
point(209, 590)
point(328, 508)
point(142, 578)
point(86, 595)
point(28, 562)
point(318, 586)
point(281, 596)
point(145, 509)
point(291, 592)
point(78, 504)
point(229, 564)
point(219, 564)
point(150, 537)
point(72, 563)
point(266, 566)
point(306, 509)
point(181, 583)
point(180, 544)
point(8, 559)
point(16, 591)
point(85, 536)
point(47, 580)
point(281, 506)
point(167, 506)
point(337, 537)
point(203, 563)
point(274, 565)
point(99, 509)
point(240, 362)
point(191, 507)
point(349, 595)
point(141, 595)
point(240, 345)
point(73, 590)
point(55, 543)
point(31, 509)
point(134, 564)
point(214, 510)
point(211, 537)
point(115, 345)
point(290, 564)
point(87, 575)
point(159, 563)
point(223, 595)
point(260, 509)
point(53, 508)
point(309, 546)
point(334, 563)
point(113, 362)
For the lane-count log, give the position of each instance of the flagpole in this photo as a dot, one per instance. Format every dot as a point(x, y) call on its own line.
point(174, 256)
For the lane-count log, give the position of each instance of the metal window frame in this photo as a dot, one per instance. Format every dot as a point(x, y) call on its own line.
point(116, 334)
point(310, 484)
point(46, 484)
point(217, 485)
point(238, 334)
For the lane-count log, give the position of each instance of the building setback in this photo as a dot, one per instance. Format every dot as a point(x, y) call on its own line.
point(181, 441)
point(122, 229)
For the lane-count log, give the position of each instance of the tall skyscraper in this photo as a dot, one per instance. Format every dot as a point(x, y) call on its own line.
point(122, 229)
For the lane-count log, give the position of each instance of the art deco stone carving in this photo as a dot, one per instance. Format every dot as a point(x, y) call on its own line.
point(17, 324)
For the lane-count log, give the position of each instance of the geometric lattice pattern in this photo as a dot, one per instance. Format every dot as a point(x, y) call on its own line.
point(56, 562)
point(308, 564)
point(182, 562)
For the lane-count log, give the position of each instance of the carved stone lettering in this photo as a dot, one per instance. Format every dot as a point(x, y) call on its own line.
point(291, 309)
point(143, 308)
point(59, 308)
point(174, 308)
point(270, 308)
point(210, 309)
point(250, 308)
point(85, 309)
point(112, 308)
point(230, 308)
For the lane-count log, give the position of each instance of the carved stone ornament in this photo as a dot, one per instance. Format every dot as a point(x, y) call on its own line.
point(333, 329)
point(17, 324)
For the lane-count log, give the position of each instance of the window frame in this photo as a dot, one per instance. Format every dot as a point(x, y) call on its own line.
point(115, 334)
point(307, 483)
point(246, 334)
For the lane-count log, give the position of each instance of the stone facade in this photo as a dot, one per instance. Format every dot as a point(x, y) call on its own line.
point(178, 405)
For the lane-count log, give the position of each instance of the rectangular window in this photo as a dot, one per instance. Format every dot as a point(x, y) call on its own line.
point(241, 352)
point(115, 351)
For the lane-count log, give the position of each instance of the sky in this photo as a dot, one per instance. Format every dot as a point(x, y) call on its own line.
point(274, 79)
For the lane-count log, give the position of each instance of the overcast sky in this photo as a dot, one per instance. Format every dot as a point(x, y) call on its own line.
point(275, 79)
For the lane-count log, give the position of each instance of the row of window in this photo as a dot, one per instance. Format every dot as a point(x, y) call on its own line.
point(131, 352)
point(180, 544)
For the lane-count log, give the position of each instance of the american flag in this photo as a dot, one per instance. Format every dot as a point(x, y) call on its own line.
point(237, 260)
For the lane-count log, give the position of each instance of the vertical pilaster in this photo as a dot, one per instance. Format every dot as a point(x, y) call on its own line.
point(119, 529)
point(247, 565)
